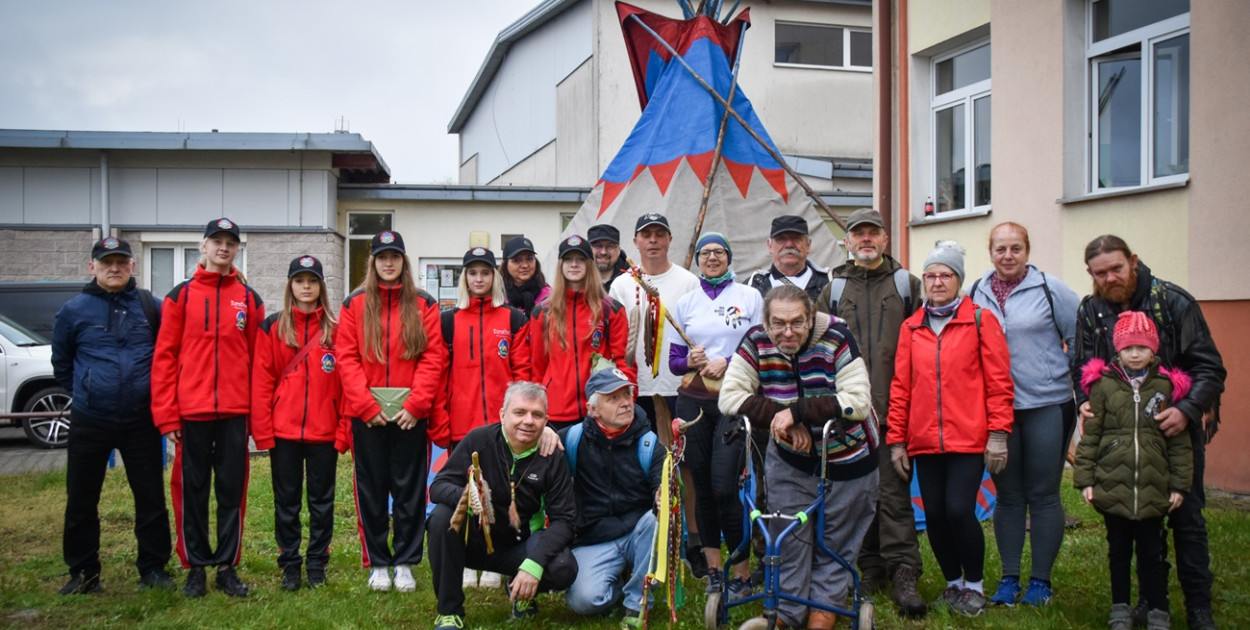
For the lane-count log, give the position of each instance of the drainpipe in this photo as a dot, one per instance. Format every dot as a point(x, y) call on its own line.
point(904, 137)
point(883, 161)
point(104, 194)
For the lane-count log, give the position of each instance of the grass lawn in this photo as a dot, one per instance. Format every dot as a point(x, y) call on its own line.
point(31, 571)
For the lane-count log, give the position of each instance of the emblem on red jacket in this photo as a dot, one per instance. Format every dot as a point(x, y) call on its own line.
point(240, 319)
point(327, 363)
point(503, 348)
point(596, 338)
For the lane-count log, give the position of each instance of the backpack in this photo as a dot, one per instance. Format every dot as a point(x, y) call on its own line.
point(902, 285)
point(148, 303)
point(573, 438)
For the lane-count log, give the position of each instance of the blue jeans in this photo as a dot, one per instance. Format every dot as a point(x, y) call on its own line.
point(601, 568)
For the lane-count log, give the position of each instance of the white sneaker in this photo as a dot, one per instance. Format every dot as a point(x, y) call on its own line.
point(470, 578)
point(379, 579)
point(404, 581)
point(490, 580)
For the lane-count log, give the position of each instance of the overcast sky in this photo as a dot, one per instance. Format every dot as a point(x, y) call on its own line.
point(395, 69)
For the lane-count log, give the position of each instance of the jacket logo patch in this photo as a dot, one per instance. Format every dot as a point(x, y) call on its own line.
point(503, 348)
point(327, 363)
point(532, 476)
point(596, 339)
point(240, 319)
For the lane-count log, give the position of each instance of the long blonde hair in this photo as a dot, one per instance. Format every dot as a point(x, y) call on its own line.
point(286, 321)
point(238, 273)
point(411, 327)
point(497, 295)
point(557, 305)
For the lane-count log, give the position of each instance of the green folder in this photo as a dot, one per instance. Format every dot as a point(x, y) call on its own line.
point(391, 399)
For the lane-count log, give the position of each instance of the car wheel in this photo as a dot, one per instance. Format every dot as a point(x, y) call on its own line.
point(50, 432)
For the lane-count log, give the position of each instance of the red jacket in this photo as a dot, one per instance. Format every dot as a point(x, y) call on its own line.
point(563, 371)
point(490, 348)
point(300, 403)
point(358, 372)
point(200, 370)
point(950, 390)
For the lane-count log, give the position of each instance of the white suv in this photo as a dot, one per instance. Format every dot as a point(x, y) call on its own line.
point(27, 386)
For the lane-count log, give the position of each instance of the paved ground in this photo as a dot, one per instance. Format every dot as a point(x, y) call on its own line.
point(18, 455)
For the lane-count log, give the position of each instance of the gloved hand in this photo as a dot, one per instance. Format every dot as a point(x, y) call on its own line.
point(898, 457)
point(996, 452)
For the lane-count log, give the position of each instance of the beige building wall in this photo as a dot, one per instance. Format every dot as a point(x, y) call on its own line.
point(931, 22)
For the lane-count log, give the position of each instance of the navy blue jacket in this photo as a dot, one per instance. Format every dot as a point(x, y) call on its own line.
point(102, 348)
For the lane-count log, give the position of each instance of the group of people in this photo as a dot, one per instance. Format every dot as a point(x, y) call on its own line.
point(521, 379)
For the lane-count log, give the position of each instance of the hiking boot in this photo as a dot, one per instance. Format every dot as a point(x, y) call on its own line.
point(1121, 617)
point(1201, 619)
point(948, 597)
point(523, 609)
point(404, 582)
point(1158, 620)
point(1038, 594)
point(714, 582)
point(158, 579)
point(81, 584)
point(969, 602)
point(737, 588)
point(821, 620)
point(872, 583)
point(379, 579)
point(1008, 592)
point(229, 583)
point(290, 578)
point(316, 576)
point(448, 622)
point(197, 583)
point(905, 594)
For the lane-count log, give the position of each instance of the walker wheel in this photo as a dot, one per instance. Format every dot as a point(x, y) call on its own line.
point(755, 623)
point(866, 614)
point(712, 611)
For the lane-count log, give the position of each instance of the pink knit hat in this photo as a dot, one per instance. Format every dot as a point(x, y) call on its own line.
point(1134, 328)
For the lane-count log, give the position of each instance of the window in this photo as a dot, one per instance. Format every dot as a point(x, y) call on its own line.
point(1138, 54)
point(823, 46)
point(961, 131)
point(361, 226)
point(171, 263)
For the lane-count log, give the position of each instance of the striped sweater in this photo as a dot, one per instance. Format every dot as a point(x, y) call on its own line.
point(826, 379)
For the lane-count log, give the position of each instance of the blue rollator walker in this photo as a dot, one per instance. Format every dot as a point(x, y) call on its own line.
point(716, 612)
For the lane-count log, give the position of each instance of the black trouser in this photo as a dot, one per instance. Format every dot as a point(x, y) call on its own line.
point(1189, 534)
point(87, 460)
point(290, 460)
point(647, 403)
point(715, 467)
point(390, 462)
point(891, 540)
point(949, 484)
point(450, 555)
point(212, 453)
point(1152, 570)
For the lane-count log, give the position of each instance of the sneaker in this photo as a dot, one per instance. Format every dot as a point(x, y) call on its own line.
point(632, 620)
point(523, 609)
point(316, 576)
point(158, 579)
point(714, 582)
point(697, 562)
point(1201, 619)
point(1139, 614)
point(1038, 594)
point(229, 583)
point(1008, 592)
point(969, 602)
point(905, 594)
point(379, 579)
point(82, 584)
point(290, 578)
point(469, 580)
point(948, 597)
point(738, 588)
point(197, 583)
point(448, 622)
point(1159, 620)
point(1121, 617)
point(490, 579)
point(404, 582)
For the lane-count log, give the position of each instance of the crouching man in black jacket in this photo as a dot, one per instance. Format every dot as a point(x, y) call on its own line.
point(523, 484)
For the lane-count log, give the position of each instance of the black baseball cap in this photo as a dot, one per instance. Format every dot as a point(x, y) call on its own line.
point(788, 223)
point(221, 225)
point(651, 218)
point(604, 232)
point(576, 243)
point(305, 263)
point(516, 245)
point(109, 246)
point(383, 241)
point(480, 254)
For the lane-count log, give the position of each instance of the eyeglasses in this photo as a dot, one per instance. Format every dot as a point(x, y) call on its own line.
point(779, 328)
point(934, 277)
point(704, 254)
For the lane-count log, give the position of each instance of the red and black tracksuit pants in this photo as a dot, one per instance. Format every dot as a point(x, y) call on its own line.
point(391, 464)
point(212, 454)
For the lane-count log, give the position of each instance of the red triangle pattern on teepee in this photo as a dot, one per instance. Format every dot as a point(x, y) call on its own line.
point(741, 174)
point(610, 191)
point(663, 174)
point(701, 164)
point(777, 179)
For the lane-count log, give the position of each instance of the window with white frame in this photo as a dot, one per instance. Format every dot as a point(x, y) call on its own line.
point(1138, 61)
point(361, 226)
point(168, 264)
point(823, 46)
point(961, 131)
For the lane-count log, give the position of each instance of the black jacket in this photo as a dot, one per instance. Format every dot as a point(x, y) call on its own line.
point(612, 489)
point(618, 268)
point(538, 480)
point(1184, 342)
point(760, 280)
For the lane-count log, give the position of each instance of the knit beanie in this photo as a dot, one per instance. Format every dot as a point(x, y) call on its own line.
point(715, 238)
point(947, 253)
point(1134, 328)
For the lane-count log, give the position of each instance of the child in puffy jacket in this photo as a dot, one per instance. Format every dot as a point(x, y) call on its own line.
point(1128, 469)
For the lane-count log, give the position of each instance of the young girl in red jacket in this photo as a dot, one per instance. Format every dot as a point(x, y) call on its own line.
point(389, 337)
point(578, 320)
point(295, 416)
point(201, 396)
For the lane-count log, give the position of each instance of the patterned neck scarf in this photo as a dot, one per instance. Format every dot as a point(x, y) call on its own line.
point(943, 311)
point(1003, 288)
